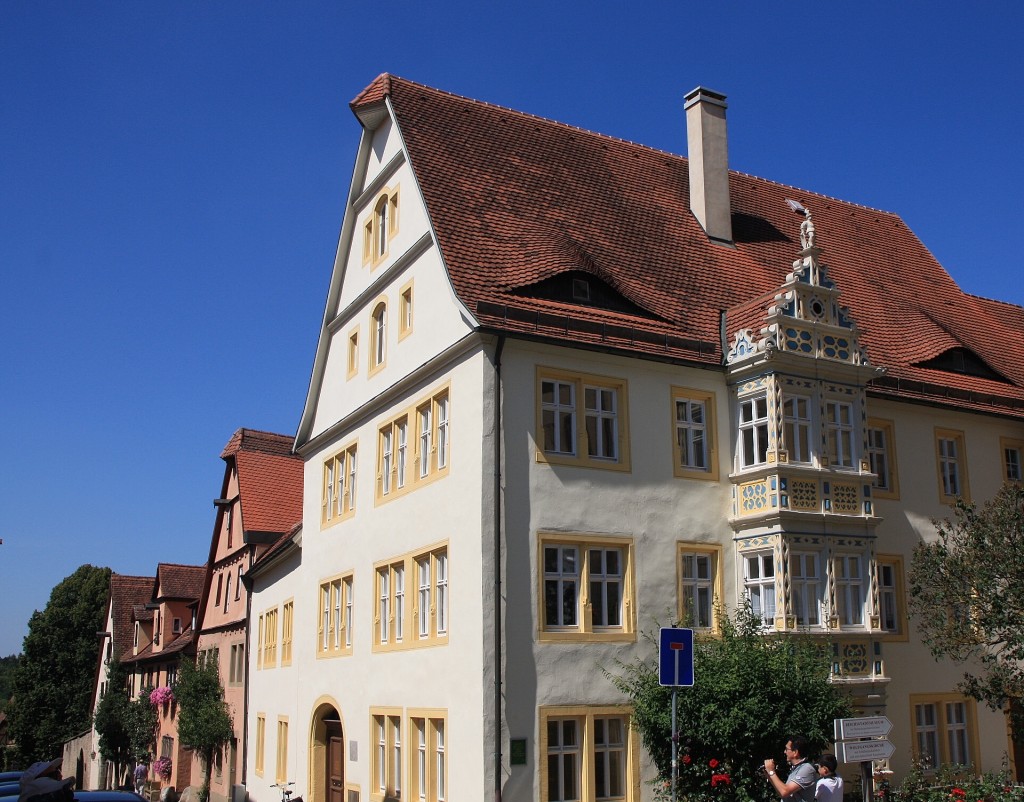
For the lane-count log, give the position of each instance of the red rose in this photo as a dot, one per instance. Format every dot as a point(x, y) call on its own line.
point(687, 760)
point(713, 763)
point(720, 779)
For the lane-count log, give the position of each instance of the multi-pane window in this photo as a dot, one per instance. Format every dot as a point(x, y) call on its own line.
point(270, 638)
point(881, 456)
point(952, 465)
point(889, 593)
point(753, 439)
point(402, 451)
point(797, 420)
point(1013, 459)
point(386, 757)
point(261, 741)
point(287, 620)
point(759, 585)
point(606, 587)
point(383, 623)
point(236, 669)
point(380, 227)
point(850, 585)
point(334, 631)
point(807, 586)
point(601, 420)
point(558, 416)
point(564, 759)
point(353, 353)
point(581, 420)
point(405, 311)
point(414, 446)
point(693, 443)
point(945, 729)
point(432, 445)
point(698, 571)
point(378, 335)
point(387, 438)
point(338, 499)
point(586, 588)
point(839, 430)
point(416, 615)
point(586, 753)
point(282, 750)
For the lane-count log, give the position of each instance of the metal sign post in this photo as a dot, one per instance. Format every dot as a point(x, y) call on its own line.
point(861, 740)
point(675, 669)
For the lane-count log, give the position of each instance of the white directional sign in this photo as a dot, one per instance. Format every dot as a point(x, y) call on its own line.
point(860, 751)
point(863, 727)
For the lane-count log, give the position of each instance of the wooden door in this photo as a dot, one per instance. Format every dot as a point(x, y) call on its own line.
point(335, 763)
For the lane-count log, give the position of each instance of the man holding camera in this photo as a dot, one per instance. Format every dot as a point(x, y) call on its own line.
point(800, 784)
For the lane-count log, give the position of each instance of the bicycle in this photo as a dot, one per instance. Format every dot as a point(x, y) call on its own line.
point(286, 792)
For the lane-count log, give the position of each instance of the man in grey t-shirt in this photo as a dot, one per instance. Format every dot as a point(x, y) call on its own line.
point(799, 786)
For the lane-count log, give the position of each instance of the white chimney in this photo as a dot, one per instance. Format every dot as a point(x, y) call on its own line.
point(708, 147)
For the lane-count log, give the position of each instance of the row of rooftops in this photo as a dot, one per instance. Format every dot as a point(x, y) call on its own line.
point(270, 494)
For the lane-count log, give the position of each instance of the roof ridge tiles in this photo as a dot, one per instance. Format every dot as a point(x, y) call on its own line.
point(999, 301)
point(821, 195)
point(539, 118)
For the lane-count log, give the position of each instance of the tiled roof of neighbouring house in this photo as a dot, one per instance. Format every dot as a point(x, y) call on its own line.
point(175, 581)
point(269, 479)
point(517, 201)
point(127, 593)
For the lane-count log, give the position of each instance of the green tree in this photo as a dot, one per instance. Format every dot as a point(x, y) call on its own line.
point(967, 598)
point(204, 722)
point(8, 665)
point(54, 680)
point(126, 727)
point(751, 690)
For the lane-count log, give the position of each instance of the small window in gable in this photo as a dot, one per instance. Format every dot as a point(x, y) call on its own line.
point(381, 227)
point(378, 336)
point(353, 353)
point(405, 311)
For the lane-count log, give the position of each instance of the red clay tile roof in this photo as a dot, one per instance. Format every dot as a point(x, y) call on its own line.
point(127, 592)
point(269, 479)
point(179, 581)
point(516, 199)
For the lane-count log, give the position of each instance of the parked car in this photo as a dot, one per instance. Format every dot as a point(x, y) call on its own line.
point(10, 788)
point(10, 776)
point(108, 796)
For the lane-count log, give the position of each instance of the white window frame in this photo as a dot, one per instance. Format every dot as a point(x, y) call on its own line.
point(807, 588)
point(799, 427)
point(760, 585)
point(840, 428)
point(851, 590)
point(753, 442)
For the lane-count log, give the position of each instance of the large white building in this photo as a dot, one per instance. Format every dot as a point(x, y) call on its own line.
point(568, 386)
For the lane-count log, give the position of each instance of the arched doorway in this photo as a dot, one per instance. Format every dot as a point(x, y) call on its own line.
point(80, 770)
point(327, 755)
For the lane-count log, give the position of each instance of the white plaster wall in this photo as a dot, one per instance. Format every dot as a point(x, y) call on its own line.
point(908, 521)
point(448, 509)
point(648, 504)
point(274, 691)
point(438, 318)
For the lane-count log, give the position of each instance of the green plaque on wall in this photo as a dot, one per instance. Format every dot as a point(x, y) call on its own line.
point(517, 751)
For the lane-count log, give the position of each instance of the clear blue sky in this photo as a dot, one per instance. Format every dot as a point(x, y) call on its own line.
point(173, 175)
